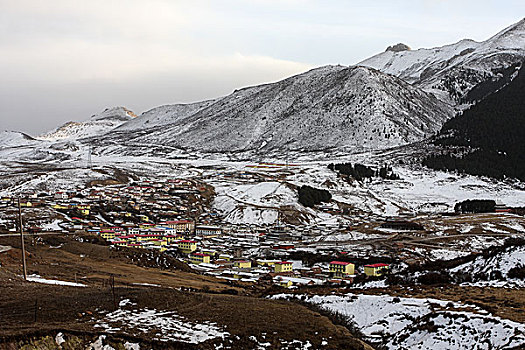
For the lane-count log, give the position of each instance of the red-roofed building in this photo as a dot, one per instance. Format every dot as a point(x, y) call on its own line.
point(178, 225)
point(376, 269)
point(187, 246)
point(200, 258)
point(282, 266)
point(341, 268)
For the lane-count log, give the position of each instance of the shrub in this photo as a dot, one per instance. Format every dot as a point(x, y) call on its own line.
point(517, 271)
point(432, 278)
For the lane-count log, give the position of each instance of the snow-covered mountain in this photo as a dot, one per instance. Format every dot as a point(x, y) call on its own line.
point(392, 99)
point(331, 107)
point(451, 71)
point(98, 124)
point(14, 139)
point(164, 115)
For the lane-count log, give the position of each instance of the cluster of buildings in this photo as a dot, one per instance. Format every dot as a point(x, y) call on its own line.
point(136, 204)
point(233, 255)
point(173, 216)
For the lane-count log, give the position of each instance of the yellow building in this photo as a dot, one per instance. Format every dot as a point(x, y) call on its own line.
point(145, 225)
point(107, 234)
point(199, 258)
point(178, 225)
point(263, 262)
point(159, 241)
point(174, 238)
point(341, 268)
point(242, 264)
point(187, 246)
point(282, 266)
point(285, 283)
point(135, 245)
point(376, 269)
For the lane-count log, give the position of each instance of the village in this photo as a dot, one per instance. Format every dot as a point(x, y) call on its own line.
point(176, 216)
point(173, 217)
point(204, 236)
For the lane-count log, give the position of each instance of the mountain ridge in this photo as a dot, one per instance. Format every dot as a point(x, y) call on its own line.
point(325, 108)
point(392, 99)
point(451, 71)
point(97, 124)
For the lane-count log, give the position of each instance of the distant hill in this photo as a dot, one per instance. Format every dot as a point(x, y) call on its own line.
point(98, 124)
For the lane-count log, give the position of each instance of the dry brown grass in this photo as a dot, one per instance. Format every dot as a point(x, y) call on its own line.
point(77, 309)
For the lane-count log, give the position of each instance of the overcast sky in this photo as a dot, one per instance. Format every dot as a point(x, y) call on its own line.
point(63, 60)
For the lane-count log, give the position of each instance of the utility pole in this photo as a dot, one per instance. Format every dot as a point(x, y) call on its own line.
point(22, 238)
point(90, 164)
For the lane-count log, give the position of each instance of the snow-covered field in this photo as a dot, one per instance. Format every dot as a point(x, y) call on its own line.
point(413, 323)
point(418, 190)
point(162, 325)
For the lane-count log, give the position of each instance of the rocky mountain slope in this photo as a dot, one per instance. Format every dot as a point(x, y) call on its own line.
point(451, 71)
point(332, 107)
point(98, 124)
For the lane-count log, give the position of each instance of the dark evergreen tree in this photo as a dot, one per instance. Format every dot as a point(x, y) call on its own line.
point(475, 206)
point(492, 132)
point(309, 196)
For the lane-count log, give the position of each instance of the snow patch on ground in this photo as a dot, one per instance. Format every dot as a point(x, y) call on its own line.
point(161, 325)
point(38, 279)
point(500, 263)
point(414, 323)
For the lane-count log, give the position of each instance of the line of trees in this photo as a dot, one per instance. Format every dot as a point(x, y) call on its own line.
point(360, 171)
point(475, 206)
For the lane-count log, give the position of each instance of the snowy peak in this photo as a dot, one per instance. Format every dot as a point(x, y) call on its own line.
point(452, 71)
point(414, 65)
point(511, 38)
point(114, 113)
point(14, 139)
point(98, 124)
point(164, 115)
point(398, 48)
point(517, 29)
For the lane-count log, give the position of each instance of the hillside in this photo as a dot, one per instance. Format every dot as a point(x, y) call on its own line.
point(493, 133)
point(98, 124)
point(158, 307)
point(452, 71)
point(164, 115)
point(14, 139)
point(332, 107)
